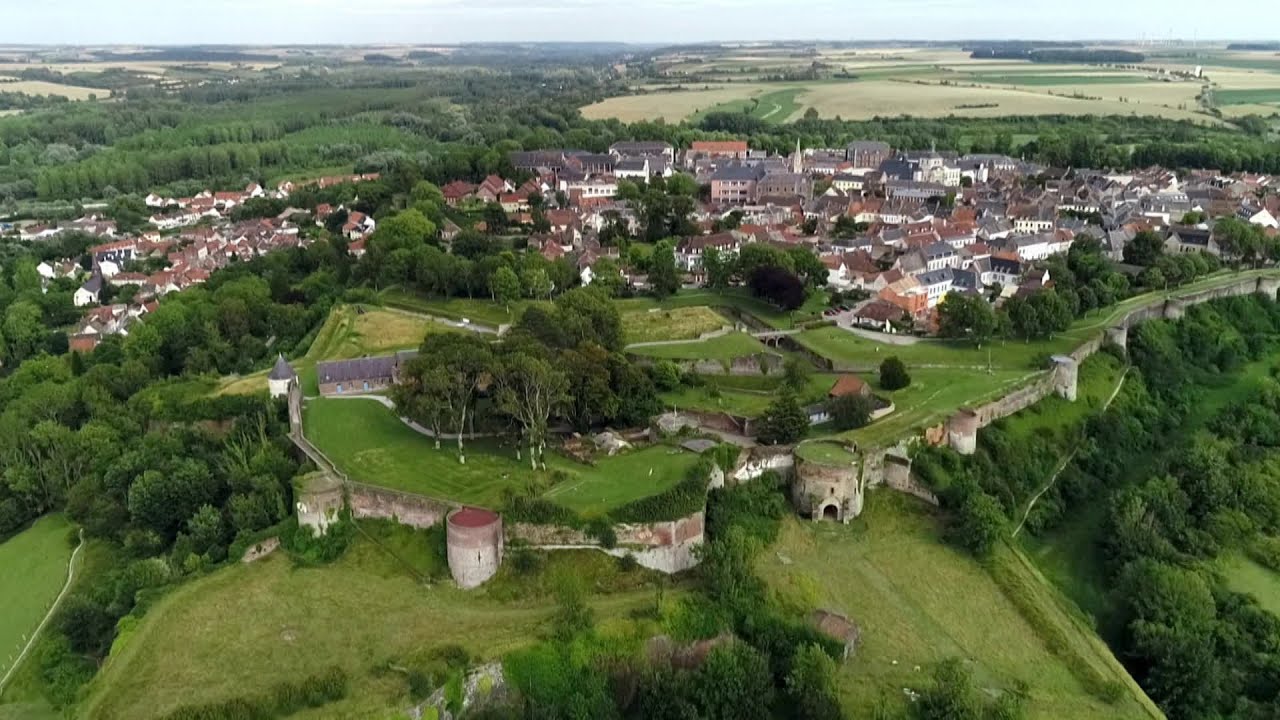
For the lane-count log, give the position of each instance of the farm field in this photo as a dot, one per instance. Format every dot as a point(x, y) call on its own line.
point(41, 87)
point(362, 613)
point(920, 602)
point(938, 82)
point(657, 324)
point(370, 444)
point(35, 567)
point(723, 348)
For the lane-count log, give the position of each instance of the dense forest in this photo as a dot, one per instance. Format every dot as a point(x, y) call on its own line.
point(1182, 479)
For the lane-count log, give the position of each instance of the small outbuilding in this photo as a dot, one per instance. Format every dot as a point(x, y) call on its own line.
point(849, 385)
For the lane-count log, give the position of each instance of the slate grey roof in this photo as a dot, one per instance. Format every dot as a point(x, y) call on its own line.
point(358, 369)
point(282, 370)
point(738, 172)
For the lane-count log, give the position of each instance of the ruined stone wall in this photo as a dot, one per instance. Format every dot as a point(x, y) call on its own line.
point(667, 546)
point(412, 510)
point(761, 459)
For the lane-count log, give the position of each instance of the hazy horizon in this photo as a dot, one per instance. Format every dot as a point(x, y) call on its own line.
point(372, 22)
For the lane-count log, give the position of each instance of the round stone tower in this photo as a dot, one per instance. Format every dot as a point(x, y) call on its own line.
point(826, 484)
point(280, 377)
point(1066, 373)
point(474, 541)
point(318, 499)
point(962, 432)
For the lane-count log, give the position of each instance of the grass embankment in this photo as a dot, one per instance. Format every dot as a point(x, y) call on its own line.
point(34, 567)
point(657, 324)
point(919, 602)
point(723, 348)
point(368, 442)
point(244, 628)
point(477, 310)
point(745, 395)
point(348, 333)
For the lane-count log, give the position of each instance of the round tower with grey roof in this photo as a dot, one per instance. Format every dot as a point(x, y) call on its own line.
point(280, 377)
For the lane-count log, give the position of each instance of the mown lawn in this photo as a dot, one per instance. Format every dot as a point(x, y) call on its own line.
point(246, 627)
point(919, 602)
point(723, 348)
point(370, 444)
point(825, 453)
point(657, 324)
point(934, 394)
point(617, 480)
point(33, 565)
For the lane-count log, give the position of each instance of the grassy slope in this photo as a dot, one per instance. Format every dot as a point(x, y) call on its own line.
point(742, 394)
point(246, 627)
point(919, 602)
point(34, 567)
point(724, 347)
point(369, 443)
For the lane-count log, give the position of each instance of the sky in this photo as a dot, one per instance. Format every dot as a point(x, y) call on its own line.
point(267, 22)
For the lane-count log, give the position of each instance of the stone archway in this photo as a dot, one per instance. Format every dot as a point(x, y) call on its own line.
point(830, 511)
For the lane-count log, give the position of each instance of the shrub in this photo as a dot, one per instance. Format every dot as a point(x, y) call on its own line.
point(686, 498)
point(893, 374)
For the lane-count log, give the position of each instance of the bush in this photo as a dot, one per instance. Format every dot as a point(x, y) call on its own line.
point(686, 498)
point(537, 511)
point(849, 412)
point(893, 374)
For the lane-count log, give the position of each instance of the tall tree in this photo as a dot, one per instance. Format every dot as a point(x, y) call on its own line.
point(530, 389)
point(664, 281)
point(966, 317)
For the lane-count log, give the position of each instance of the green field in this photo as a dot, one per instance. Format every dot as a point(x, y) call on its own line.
point(934, 394)
point(854, 351)
point(246, 627)
point(1243, 575)
point(1248, 97)
point(370, 444)
point(773, 107)
point(919, 602)
point(34, 564)
point(658, 324)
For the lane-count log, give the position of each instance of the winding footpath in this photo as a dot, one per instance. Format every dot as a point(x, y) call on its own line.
point(1067, 460)
point(66, 586)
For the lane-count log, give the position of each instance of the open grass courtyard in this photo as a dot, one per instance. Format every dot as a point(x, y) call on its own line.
point(370, 444)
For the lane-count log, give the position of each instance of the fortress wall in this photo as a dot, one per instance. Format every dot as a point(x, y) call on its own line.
point(412, 510)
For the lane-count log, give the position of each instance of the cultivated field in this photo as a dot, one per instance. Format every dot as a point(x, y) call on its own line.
point(859, 85)
point(34, 566)
point(370, 444)
point(40, 87)
point(246, 627)
point(919, 602)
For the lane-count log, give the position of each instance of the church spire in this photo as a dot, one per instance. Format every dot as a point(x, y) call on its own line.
point(797, 160)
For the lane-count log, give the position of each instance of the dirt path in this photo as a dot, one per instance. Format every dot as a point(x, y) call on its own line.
point(71, 575)
point(1066, 461)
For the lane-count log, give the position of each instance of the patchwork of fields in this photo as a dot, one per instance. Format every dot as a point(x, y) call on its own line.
point(938, 82)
